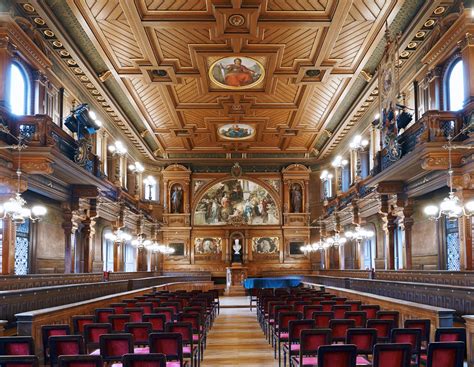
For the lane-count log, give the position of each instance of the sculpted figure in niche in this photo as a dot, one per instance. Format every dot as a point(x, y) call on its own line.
point(177, 199)
point(296, 198)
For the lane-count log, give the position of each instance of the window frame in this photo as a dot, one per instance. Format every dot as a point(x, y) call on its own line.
point(446, 81)
point(28, 91)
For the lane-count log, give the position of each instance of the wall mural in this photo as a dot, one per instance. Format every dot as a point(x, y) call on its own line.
point(265, 245)
point(236, 72)
point(207, 245)
point(236, 201)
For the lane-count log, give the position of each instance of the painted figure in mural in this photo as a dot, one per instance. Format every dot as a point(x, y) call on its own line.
point(176, 199)
point(237, 74)
point(296, 198)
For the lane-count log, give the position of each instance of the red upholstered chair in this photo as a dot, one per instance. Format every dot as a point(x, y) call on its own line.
point(64, 345)
point(299, 305)
point(384, 328)
point(327, 305)
point(282, 330)
point(355, 305)
point(102, 314)
point(79, 321)
point(176, 306)
point(168, 311)
point(365, 340)
point(339, 328)
point(309, 309)
point(393, 355)
point(17, 345)
point(130, 302)
point(114, 346)
point(270, 318)
point(92, 333)
point(340, 310)
point(371, 310)
point(190, 349)
point(279, 309)
point(360, 317)
point(337, 355)
point(156, 302)
point(409, 336)
point(316, 300)
point(80, 361)
point(425, 326)
point(19, 361)
point(118, 322)
point(450, 334)
point(157, 321)
point(171, 345)
point(119, 307)
point(310, 342)
point(389, 315)
point(136, 313)
point(140, 331)
point(339, 300)
point(147, 306)
point(322, 318)
point(198, 332)
point(144, 360)
point(292, 347)
point(51, 330)
point(446, 354)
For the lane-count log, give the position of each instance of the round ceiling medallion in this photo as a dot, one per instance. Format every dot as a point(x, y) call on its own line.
point(236, 20)
point(64, 53)
point(429, 23)
point(48, 33)
point(439, 10)
point(39, 21)
point(57, 44)
point(29, 8)
point(420, 34)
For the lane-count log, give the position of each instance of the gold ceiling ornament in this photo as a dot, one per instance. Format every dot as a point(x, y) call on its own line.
point(366, 75)
point(105, 75)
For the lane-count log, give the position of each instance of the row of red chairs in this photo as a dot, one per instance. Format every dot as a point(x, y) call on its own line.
point(189, 314)
point(318, 310)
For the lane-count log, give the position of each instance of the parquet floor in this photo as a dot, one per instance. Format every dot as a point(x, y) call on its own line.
point(236, 339)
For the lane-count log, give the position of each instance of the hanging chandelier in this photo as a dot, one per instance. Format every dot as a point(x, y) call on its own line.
point(118, 236)
point(141, 242)
point(162, 249)
point(359, 234)
point(15, 208)
point(325, 243)
point(451, 207)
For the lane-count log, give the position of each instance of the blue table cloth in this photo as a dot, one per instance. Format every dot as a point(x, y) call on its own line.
point(281, 282)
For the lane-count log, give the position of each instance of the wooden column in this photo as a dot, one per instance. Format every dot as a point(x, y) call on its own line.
point(391, 226)
point(467, 53)
point(5, 61)
point(88, 236)
point(68, 226)
point(8, 247)
point(118, 255)
point(408, 222)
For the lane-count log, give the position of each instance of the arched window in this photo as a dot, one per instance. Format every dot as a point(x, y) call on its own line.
point(18, 89)
point(455, 86)
point(130, 257)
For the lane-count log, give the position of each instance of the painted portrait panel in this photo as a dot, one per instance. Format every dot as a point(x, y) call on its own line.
point(265, 245)
point(238, 72)
point(236, 201)
point(207, 245)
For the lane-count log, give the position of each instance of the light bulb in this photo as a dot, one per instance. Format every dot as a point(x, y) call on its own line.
point(12, 206)
point(342, 240)
point(112, 148)
point(431, 210)
point(324, 175)
point(92, 115)
point(98, 123)
point(365, 142)
point(469, 206)
point(38, 210)
point(377, 116)
point(349, 234)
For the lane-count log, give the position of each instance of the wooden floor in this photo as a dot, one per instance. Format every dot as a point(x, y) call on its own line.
point(236, 338)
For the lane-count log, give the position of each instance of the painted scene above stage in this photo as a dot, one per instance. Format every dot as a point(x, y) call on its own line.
point(236, 72)
point(236, 201)
point(236, 131)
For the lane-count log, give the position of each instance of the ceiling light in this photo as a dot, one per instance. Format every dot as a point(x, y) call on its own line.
point(136, 167)
point(117, 148)
point(339, 162)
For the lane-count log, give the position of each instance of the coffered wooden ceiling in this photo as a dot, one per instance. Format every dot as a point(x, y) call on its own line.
point(159, 52)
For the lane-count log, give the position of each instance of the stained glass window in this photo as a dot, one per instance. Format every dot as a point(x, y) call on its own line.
point(22, 248)
point(453, 255)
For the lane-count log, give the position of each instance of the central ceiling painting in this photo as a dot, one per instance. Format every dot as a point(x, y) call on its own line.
point(236, 201)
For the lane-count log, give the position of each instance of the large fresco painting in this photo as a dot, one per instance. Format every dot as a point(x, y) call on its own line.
point(236, 201)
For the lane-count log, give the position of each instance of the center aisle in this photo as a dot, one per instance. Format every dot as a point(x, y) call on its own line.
point(236, 338)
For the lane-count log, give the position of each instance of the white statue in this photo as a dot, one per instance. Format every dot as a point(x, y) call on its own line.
point(237, 247)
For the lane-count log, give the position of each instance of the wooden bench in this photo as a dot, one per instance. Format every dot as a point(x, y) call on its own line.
point(29, 323)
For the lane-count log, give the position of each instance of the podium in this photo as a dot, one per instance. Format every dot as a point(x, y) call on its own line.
point(235, 275)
